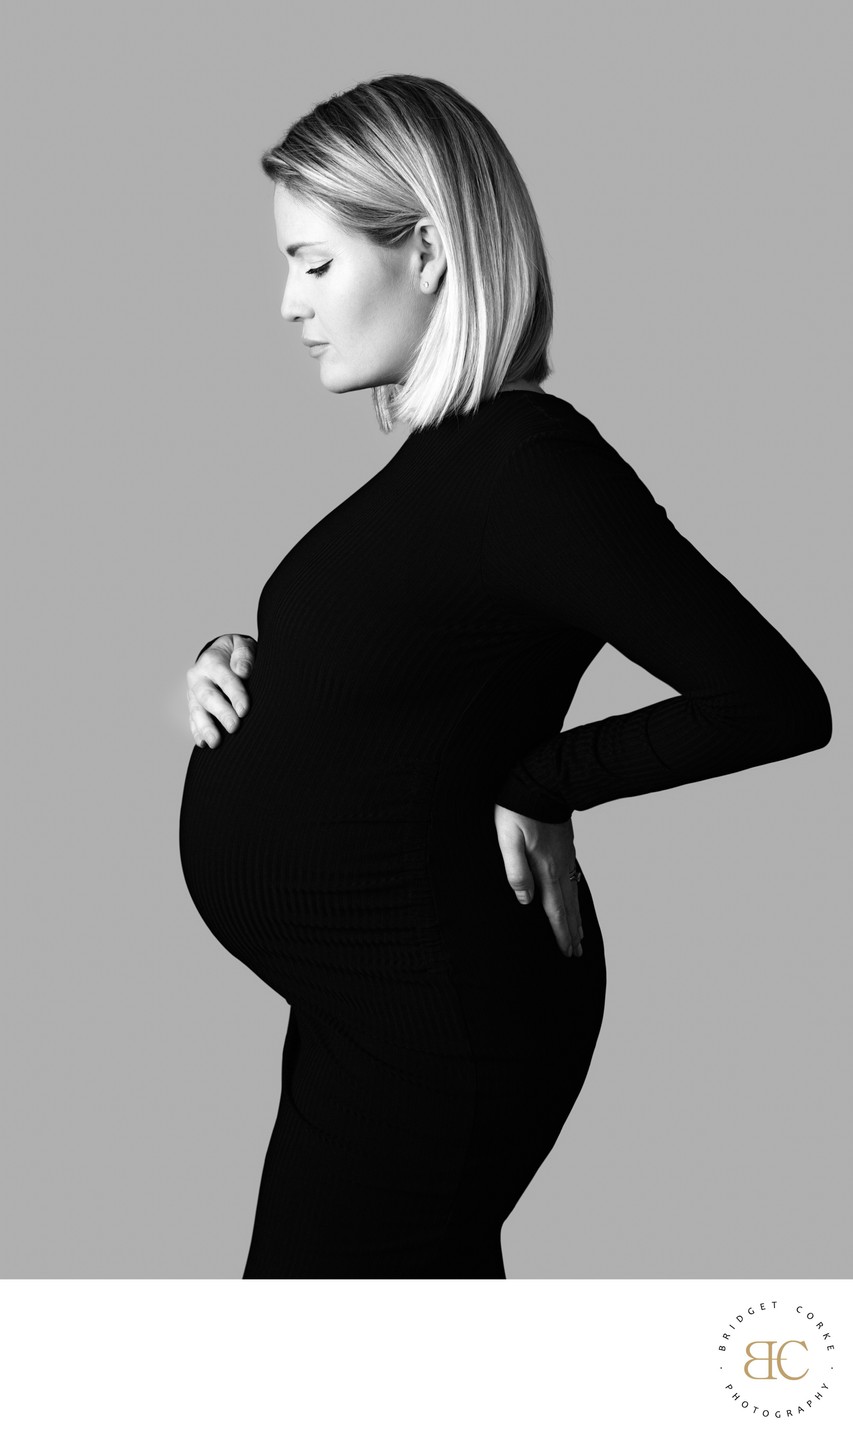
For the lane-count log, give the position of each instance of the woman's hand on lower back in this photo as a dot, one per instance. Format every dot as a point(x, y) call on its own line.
point(538, 858)
point(214, 686)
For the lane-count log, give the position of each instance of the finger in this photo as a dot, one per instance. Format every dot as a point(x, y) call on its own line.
point(205, 736)
point(573, 913)
point(575, 885)
point(518, 873)
point(556, 911)
point(218, 666)
point(243, 655)
point(204, 698)
point(204, 732)
point(235, 690)
point(215, 668)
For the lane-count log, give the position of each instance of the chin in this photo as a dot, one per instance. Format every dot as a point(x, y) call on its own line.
point(341, 378)
point(336, 384)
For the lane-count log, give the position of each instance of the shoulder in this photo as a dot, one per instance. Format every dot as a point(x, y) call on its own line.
point(550, 427)
point(558, 469)
point(551, 437)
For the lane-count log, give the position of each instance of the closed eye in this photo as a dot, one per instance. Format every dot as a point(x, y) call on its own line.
point(321, 270)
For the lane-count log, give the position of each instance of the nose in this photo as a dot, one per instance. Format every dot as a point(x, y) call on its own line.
point(292, 308)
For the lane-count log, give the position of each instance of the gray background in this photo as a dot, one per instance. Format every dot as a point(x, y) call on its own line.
point(168, 439)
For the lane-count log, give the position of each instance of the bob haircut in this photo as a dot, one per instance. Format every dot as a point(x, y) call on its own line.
point(378, 157)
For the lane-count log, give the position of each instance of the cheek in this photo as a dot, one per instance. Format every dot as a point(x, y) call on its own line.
point(369, 304)
point(368, 307)
point(390, 315)
point(363, 322)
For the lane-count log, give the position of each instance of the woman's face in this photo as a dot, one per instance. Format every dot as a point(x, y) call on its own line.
point(364, 303)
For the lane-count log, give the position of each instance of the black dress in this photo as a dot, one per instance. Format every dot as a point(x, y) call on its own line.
point(417, 653)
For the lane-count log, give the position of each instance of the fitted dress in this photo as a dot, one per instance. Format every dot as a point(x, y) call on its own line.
point(418, 650)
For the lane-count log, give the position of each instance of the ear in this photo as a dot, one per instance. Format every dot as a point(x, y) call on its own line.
point(429, 252)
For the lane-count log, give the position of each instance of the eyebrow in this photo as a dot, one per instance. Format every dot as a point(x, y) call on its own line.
point(306, 244)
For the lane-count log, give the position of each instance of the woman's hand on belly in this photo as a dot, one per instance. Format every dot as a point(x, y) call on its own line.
point(213, 686)
point(538, 858)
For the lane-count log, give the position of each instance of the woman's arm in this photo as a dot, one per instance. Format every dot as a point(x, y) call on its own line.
point(574, 535)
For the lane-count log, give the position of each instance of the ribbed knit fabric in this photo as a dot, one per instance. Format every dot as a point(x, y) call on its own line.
point(417, 654)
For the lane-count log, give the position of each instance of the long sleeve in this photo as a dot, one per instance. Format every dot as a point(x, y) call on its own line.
point(574, 537)
point(213, 640)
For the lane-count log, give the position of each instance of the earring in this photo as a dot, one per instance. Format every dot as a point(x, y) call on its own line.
point(425, 284)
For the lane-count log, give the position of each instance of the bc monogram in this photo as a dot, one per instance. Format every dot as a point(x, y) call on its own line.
point(773, 1360)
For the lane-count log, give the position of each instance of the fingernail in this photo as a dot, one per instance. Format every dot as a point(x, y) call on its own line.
point(524, 897)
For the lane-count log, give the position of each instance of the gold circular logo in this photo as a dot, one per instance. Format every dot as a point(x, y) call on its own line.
point(777, 1359)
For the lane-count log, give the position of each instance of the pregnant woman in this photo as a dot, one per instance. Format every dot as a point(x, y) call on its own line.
point(383, 833)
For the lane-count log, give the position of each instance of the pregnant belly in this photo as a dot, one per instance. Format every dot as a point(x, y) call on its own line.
point(318, 883)
point(380, 908)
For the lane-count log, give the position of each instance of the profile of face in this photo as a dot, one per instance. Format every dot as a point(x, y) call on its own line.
point(364, 303)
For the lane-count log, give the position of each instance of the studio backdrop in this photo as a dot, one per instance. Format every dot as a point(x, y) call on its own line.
point(167, 441)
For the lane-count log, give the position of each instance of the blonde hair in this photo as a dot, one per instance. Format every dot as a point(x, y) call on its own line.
point(378, 157)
